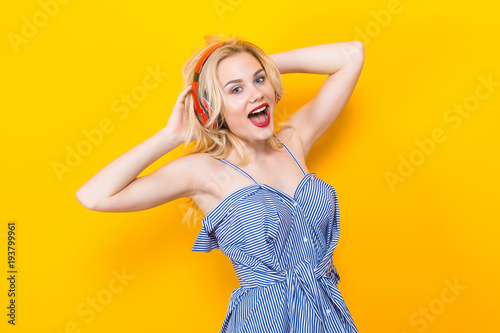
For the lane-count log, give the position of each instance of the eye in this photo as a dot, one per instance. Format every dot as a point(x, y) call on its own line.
point(260, 79)
point(235, 90)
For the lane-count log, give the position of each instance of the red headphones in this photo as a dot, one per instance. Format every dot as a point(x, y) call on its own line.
point(203, 110)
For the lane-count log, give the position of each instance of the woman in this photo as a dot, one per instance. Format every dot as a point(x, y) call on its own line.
point(277, 222)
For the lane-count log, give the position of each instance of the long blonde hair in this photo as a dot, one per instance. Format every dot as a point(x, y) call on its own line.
point(219, 142)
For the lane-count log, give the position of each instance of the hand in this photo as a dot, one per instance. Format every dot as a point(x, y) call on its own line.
point(178, 122)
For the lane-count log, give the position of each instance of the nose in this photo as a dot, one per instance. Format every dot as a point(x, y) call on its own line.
point(255, 94)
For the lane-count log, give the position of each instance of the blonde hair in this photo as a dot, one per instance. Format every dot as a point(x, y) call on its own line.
point(219, 142)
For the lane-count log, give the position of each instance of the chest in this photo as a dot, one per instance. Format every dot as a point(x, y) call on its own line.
point(264, 218)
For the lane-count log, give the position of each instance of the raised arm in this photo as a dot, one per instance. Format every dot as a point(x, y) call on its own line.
point(342, 62)
point(116, 187)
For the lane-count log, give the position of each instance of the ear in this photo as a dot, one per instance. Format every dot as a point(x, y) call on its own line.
point(277, 97)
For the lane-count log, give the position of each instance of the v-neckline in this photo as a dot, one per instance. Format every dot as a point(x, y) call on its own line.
point(262, 185)
point(294, 197)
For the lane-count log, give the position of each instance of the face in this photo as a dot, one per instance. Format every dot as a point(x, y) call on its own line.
point(246, 89)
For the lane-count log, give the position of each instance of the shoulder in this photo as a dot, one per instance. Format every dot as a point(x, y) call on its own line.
point(210, 180)
point(196, 159)
point(201, 168)
point(290, 137)
point(198, 163)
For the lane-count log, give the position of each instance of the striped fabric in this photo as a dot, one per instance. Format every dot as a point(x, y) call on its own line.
point(281, 248)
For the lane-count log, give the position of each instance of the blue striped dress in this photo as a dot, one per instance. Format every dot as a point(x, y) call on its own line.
point(281, 248)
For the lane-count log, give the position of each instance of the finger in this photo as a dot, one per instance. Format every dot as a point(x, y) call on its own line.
point(186, 90)
point(182, 95)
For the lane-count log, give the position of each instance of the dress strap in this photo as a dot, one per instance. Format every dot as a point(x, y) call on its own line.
point(238, 169)
point(290, 154)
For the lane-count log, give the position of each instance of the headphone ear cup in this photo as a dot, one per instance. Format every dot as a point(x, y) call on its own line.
point(206, 107)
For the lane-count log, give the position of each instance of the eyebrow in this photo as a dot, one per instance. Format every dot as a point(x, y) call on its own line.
point(240, 80)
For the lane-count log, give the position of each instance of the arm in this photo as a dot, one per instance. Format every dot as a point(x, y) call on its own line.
point(116, 188)
point(342, 62)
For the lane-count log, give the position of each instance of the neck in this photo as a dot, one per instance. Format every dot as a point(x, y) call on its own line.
point(256, 150)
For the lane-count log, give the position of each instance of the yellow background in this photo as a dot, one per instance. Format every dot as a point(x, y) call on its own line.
point(401, 246)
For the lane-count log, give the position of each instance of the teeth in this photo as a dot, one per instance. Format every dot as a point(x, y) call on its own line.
point(258, 110)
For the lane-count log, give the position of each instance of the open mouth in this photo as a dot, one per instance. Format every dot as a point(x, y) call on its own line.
point(260, 117)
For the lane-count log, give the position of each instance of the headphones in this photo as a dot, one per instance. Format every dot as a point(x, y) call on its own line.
point(203, 110)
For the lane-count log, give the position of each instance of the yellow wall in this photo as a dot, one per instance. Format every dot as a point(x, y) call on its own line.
point(417, 178)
